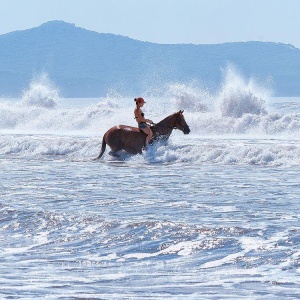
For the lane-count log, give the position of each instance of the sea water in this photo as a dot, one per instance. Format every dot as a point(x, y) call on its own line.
point(210, 215)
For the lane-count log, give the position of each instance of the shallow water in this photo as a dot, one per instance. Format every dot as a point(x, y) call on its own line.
point(116, 230)
point(210, 215)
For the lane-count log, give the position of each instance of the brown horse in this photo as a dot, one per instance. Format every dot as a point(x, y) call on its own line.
point(132, 140)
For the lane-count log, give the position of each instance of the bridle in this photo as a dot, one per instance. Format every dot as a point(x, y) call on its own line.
point(179, 120)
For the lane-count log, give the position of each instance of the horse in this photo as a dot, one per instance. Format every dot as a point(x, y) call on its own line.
point(132, 140)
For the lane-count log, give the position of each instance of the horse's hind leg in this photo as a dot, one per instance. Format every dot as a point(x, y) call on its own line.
point(114, 154)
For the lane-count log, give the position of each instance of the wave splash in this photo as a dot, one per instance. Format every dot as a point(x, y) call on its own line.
point(41, 93)
point(281, 153)
point(240, 107)
point(189, 97)
point(55, 127)
point(238, 97)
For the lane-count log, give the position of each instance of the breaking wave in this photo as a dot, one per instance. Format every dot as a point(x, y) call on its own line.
point(235, 125)
point(276, 153)
point(41, 93)
point(239, 97)
point(240, 107)
point(189, 97)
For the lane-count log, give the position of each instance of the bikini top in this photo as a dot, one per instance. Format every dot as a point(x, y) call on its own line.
point(142, 114)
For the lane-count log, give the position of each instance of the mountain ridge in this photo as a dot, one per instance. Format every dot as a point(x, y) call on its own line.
point(85, 63)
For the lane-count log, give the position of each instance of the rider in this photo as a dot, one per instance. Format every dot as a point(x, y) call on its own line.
point(142, 122)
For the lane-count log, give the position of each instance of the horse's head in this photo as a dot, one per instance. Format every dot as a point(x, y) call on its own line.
point(180, 122)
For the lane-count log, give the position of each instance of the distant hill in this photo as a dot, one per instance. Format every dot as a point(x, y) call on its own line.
point(84, 63)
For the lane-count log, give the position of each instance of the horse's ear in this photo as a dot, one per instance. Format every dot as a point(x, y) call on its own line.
point(181, 111)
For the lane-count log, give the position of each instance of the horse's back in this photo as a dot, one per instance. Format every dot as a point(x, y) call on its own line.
point(123, 137)
point(124, 129)
point(128, 128)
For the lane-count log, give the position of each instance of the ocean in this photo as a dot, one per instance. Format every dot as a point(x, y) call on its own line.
point(209, 215)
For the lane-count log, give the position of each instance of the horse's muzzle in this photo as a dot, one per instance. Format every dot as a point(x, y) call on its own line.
point(186, 129)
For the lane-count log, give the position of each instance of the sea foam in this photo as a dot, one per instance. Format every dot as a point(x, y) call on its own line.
point(239, 107)
point(234, 125)
point(239, 97)
point(41, 93)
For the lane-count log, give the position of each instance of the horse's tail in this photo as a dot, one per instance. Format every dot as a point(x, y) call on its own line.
point(102, 148)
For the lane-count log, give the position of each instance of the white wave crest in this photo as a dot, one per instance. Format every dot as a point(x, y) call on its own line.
point(238, 97)
point(41, 93)
point(238, 108)
point(189, 97)
point(279, 153)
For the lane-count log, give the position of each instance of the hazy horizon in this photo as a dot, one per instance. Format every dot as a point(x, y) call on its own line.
point(167, 21)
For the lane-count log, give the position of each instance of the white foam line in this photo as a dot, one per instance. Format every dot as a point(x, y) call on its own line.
point(227, 259)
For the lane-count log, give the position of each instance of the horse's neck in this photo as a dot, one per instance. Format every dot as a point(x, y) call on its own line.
point(167, 122)
point(164, 127)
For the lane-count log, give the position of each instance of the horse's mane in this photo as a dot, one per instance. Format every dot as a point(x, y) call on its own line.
point(162, 122)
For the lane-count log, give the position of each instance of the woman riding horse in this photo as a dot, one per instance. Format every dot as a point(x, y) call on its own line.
point(132, 140)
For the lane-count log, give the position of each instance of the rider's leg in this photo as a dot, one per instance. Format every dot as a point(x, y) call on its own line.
point(149, 136)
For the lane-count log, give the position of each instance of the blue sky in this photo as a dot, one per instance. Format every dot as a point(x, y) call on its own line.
point(165, 21)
